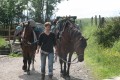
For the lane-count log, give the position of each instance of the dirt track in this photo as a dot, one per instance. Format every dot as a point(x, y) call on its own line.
point(11, 69)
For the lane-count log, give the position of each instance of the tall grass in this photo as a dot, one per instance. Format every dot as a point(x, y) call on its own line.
point(104, 62)
point(2, 41)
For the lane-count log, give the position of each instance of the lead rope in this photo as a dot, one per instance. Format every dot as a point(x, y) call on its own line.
point(72, 62)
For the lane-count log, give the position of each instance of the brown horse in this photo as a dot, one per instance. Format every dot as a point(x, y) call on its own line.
point(70, 41)
point(27, 47)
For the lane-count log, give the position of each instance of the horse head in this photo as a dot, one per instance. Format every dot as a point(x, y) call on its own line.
point(80, 47)
point(27, 33)
point(27, 29)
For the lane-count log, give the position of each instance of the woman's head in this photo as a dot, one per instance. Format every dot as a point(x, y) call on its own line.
point(21, 24)
point(47, 26)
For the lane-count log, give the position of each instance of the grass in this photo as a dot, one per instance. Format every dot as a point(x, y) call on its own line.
point(104, 62)
point(2, 42)
point(15, 55)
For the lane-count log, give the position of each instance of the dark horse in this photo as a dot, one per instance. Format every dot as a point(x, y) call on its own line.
point(28, 38)
point(70, 41)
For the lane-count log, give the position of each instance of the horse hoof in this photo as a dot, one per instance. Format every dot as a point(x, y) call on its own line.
point(28, 72)
point(25, 70)
point(33, 69)
point(62, 75)
point(67, 78)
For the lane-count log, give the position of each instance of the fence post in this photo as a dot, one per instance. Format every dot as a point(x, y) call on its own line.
point(91, 21)
point(102, 22)
point(99, 21)
point(96, 20)
point(9, 34)
point(80, 23)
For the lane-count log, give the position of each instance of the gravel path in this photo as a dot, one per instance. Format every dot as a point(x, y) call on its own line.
point(11, 69)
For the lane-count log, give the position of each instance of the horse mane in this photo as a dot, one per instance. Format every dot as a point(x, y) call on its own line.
point(73, 30)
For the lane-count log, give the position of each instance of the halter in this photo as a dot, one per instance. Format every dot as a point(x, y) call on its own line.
point(28, 43)
point(72, 62)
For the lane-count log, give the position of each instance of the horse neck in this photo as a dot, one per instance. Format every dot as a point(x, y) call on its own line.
point(29, 37)
point(73, 32)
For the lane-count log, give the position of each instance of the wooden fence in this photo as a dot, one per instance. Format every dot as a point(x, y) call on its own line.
point(7, 32)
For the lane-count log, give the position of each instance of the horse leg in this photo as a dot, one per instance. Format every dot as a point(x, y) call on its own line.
point(64, 72)
point(29, 62)
point(33, 59)
point(24, 64)
point(61, 62)
point(69, 60)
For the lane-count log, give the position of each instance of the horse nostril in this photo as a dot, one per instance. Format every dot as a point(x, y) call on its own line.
point(80, 59)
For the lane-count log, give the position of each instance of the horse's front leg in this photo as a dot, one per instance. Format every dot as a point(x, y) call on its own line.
point(61, 62)
point(68, 69)
point(24, 63)
point(65, 59)
point(33, 59)
point(29, 62)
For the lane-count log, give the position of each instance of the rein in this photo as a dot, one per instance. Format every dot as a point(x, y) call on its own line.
point(72, 62)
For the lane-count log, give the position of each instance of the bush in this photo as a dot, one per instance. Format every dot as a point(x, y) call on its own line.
point(2, 42)
point(109, 34)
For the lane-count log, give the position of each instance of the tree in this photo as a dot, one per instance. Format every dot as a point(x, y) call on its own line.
point(11, 9)
point(44, 9)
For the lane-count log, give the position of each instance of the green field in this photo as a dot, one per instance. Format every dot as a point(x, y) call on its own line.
point(104, 62)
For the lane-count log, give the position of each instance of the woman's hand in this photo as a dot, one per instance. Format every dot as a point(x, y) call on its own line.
point(37, 51)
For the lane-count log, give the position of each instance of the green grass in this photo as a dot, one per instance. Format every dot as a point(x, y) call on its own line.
point(15, 55)
point(2, 42)
point(104, 62)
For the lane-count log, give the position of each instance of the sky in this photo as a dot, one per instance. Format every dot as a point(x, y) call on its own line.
point(89, 8)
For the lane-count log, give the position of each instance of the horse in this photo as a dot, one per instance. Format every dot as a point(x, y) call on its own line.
point(28, 48)
point(70, 40)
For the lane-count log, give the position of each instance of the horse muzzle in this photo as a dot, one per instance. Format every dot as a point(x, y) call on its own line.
point(80, 58)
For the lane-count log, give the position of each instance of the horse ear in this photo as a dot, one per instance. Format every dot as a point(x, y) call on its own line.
point(87, 39)
point(28, 22)
point(23, 23)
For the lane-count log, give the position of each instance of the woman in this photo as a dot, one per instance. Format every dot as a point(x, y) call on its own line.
point(47, 41)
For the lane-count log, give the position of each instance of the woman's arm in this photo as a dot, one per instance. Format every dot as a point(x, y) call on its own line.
point(39, 43)
point(38, 48)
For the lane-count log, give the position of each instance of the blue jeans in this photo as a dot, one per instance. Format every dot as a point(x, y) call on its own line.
point(50, 63)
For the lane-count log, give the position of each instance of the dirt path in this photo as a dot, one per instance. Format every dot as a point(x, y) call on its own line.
point(11, 69)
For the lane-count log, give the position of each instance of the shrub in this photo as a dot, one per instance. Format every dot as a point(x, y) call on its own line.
point(109, 34)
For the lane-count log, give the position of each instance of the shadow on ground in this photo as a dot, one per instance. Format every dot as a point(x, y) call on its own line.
point(33, 76)
point(73, 78)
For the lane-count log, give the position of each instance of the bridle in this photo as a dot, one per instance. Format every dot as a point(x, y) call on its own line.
point(25, 41)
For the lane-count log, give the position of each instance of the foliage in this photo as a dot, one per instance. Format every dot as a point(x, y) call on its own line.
point(84, 21)
point(104, 62)
point(15, 55)
point(44, 9)
point(2, 42)
point(37, 9)
point(108, 35)
point(11, 9)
